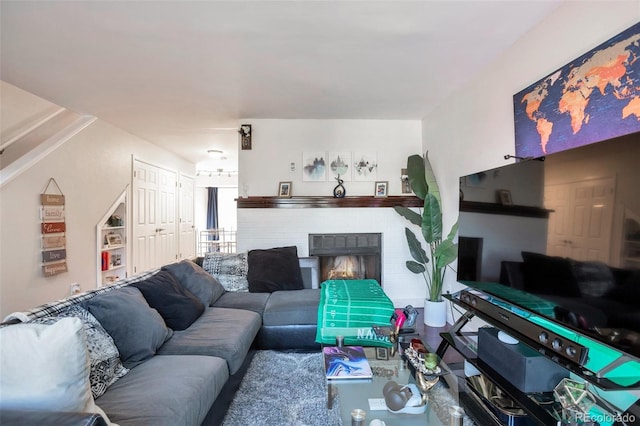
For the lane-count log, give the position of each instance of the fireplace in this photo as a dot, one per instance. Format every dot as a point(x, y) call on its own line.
point(349, 256)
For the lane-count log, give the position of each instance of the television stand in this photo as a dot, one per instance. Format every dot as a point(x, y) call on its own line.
point(541, 410)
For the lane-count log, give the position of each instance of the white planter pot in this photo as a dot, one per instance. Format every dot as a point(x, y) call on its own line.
point(435, 313)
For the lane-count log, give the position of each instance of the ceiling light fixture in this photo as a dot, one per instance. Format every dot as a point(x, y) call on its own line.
point(219, 172)
point(215, 153)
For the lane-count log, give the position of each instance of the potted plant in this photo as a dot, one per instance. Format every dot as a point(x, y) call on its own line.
point(442, 251)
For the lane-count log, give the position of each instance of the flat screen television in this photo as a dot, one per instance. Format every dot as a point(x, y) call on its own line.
point(564, 228)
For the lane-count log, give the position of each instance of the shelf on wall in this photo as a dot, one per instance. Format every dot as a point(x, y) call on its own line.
point(495, 208)
point(327, 202)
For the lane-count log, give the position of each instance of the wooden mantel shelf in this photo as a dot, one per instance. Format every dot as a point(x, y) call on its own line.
point(327, 202)
point(494, 208)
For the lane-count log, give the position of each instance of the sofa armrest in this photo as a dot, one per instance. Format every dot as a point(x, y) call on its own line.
point(53, 418)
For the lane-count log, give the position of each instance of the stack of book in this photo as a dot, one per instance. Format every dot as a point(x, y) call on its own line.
point(346, 362)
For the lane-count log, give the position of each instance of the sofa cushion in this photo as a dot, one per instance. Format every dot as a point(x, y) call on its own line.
point(549, 275)
point(221, 332)
point(230, 269)
point(255, 302)
point(202, 284)
point(166, 391)
point(104, 358)
point(292, 308)
point(178, 306)
point(274, 269)
point(137, 329)
point(45, 367)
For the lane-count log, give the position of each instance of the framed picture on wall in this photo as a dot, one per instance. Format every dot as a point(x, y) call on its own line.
point(504, 196)
point(114, 240)
point(284, 190)
point(381, 189)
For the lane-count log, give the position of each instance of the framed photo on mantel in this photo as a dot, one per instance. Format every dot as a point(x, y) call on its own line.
point(381, 189)
point(505, 197)
point(284, 190)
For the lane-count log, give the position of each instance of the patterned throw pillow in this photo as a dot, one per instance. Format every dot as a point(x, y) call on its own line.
point(104, 357)
point(229, 268)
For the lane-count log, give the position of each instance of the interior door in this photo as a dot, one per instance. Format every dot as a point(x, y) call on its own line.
point(187, 237)
point(580, 226)
point(154, 216)
point(145, 219)
point(167, 226)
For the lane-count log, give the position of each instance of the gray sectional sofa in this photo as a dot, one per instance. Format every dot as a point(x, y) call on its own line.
point(179, 375)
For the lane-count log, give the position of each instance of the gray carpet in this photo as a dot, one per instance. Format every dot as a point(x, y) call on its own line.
point(282, 388)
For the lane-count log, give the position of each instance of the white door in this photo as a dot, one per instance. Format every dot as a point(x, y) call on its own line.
point(187, 236)
point(154, 213)
point(167, 227)
point(580, 226)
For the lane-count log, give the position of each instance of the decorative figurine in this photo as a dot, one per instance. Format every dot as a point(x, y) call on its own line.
point(339, 191)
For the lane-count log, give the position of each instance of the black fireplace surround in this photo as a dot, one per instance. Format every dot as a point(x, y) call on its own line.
point(366, 246)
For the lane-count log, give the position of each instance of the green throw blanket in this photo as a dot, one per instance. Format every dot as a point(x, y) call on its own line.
point(350, 308)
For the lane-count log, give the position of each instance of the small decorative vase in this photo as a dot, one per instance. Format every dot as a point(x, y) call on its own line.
point(435, 313)
point(339, 191)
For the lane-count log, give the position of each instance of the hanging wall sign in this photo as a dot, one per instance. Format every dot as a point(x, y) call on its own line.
point(50, 269)
point(53, 229)
point(52, 212)
point(54, 255)
point(53, 242)
point(52, 199)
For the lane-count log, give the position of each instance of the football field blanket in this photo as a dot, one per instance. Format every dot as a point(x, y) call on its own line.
point(350, 308)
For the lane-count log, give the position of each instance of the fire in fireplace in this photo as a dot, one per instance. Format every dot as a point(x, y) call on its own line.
point(345, 267)
point(348, 256)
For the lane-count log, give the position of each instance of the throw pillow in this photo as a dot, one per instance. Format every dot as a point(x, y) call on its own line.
point(178, 306)
point(593, 278)
point(104, 358)
point(46, 368)
point(137, 329)
point(549, 275)
point(230, 269)
point(274, 269)
point(203, 285)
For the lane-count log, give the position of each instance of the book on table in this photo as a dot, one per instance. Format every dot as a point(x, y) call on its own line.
point(346, 362)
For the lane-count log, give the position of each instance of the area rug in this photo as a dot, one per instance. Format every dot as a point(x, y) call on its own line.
point(283, 388)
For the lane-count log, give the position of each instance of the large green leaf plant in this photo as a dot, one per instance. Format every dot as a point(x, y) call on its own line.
point(441, 251)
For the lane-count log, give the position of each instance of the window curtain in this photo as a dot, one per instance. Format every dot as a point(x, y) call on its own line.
point(212, 209)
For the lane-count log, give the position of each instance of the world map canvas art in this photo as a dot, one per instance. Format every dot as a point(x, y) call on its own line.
point(594, 98)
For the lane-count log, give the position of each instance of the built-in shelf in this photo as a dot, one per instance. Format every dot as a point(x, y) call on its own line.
point(112, 242)
point(495, 208)
point(327, 202)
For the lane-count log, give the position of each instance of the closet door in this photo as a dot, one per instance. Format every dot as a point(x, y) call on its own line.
point(187, 222)
point(154, 217)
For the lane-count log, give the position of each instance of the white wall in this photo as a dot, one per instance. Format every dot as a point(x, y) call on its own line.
point(474, 129)
point(92, 169)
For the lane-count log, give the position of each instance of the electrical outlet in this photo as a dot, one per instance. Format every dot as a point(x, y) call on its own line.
point(74, 288)
point(292, 166)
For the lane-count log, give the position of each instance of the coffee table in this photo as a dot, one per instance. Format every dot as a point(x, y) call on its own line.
point(352, 394)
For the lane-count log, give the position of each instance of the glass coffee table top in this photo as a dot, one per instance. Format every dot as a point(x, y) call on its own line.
point(356, 394)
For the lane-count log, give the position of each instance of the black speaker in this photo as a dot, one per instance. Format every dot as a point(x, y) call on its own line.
point(526, 369)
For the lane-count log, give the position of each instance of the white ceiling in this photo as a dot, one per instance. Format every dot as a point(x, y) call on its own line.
point(181, 74)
